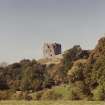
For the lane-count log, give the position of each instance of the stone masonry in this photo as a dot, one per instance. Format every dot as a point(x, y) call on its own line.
point(51, 49)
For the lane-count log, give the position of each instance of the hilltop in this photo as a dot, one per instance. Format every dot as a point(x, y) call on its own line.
point(75, 74)
point(54, 60)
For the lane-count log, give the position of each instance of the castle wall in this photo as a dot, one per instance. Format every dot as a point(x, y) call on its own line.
point(50, 50)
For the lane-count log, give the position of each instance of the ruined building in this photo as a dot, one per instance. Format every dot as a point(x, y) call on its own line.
point(51, 49)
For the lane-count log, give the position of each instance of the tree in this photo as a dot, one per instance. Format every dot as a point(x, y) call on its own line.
point(76, 72)
point(32, 77)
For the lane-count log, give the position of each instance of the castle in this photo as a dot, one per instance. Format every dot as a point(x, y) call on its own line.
point(51, 49)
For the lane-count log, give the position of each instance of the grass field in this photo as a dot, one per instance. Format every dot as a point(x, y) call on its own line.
point(51, 103)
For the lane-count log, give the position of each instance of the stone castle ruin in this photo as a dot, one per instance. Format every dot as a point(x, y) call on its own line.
point(51, 49)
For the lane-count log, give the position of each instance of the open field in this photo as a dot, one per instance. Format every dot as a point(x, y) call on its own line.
point(52, 103)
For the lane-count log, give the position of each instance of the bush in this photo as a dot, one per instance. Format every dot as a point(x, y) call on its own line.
point(38, 95)
point(99, 93)
point(77, 91)
point(32, 77)
point(70, 56)
point(5, 95)
point(51, 95)
point(76, 72)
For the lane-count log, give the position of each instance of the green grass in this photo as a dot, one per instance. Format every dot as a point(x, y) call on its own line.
point(51, 103)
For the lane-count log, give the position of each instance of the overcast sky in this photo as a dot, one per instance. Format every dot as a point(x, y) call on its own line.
point(26, 24)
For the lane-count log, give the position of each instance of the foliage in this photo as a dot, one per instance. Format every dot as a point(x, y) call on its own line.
point(95, 70)
point(76, 73)
point(56, 73)
point(80, 75)
point(51, 95)
point(32, 77)
point(38, 95)
point(70, 56)
point(99, 93)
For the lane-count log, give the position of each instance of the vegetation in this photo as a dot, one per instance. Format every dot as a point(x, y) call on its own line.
point(51, 103)
point(80, 75)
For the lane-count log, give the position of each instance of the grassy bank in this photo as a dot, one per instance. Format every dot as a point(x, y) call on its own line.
point(52, 103)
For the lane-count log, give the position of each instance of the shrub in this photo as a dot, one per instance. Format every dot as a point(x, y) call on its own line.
point(70, 56)
point(32, 77)
point(5, 95)
point(77, 91)
point(51, 95)
point(99, 93)
point(76, 72)
point(38, 95)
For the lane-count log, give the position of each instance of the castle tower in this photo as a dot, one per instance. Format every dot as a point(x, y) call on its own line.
point(51, 49)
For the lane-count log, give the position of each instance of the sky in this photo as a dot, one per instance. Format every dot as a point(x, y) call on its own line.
point(26, 24)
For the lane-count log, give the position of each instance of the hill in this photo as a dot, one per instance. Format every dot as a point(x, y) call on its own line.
point(76, 74)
